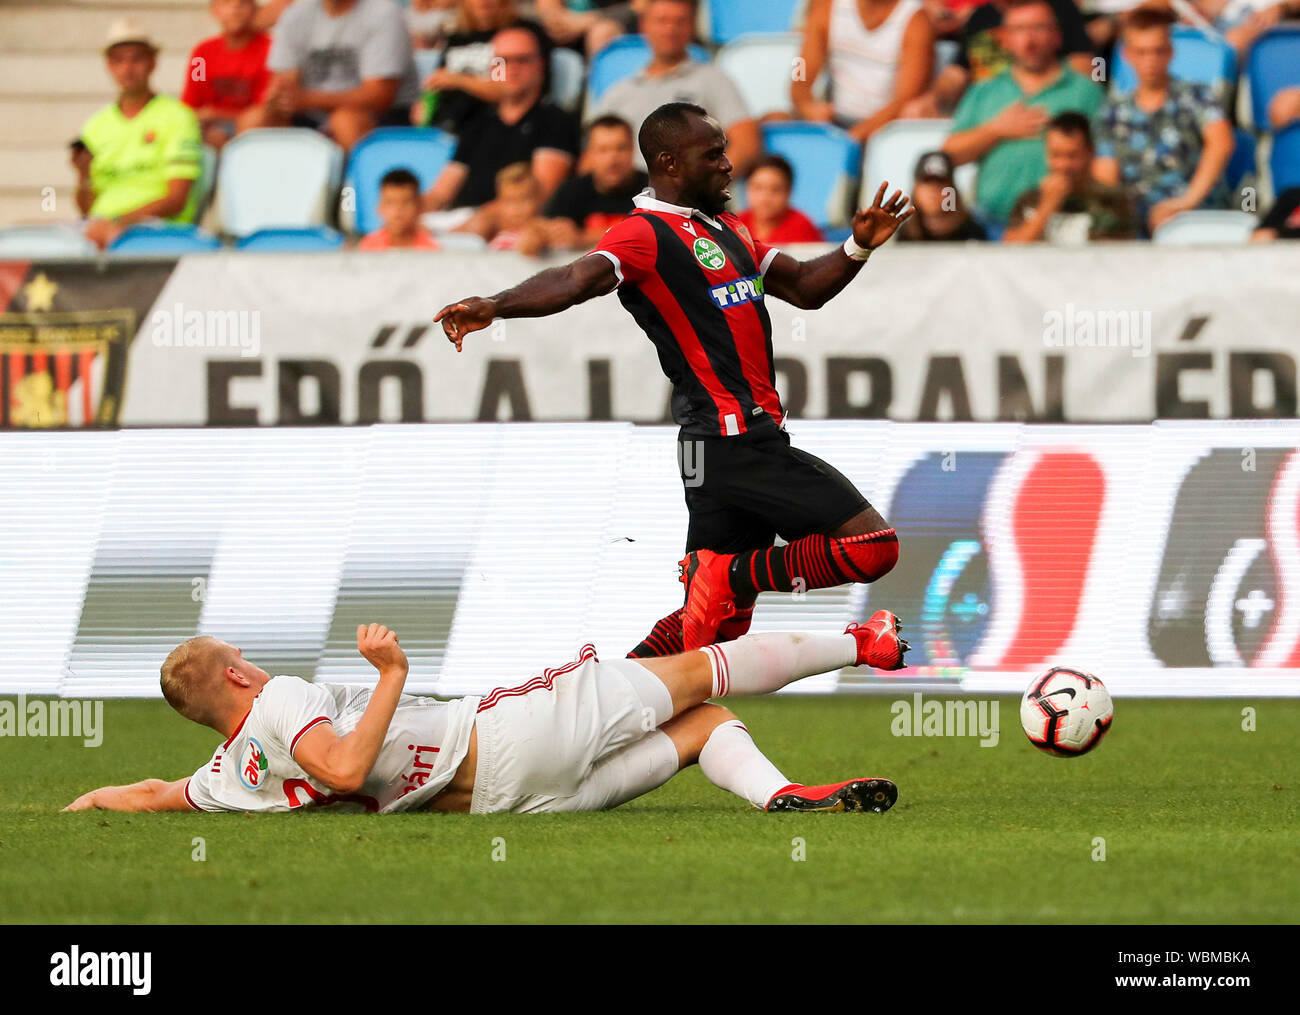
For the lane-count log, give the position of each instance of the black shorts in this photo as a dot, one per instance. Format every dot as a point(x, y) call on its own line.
point(742, 491)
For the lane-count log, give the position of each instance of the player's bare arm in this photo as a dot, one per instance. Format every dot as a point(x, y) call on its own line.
point(342, 763)
point(547, 292)
point(809, 285)
point(146, 795)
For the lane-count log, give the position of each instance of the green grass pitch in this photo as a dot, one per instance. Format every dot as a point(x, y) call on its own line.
point(1200, 822)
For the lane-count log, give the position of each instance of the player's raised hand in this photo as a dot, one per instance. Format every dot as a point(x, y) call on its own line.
point(379, 645)
point(873, 226)
point(466, 316)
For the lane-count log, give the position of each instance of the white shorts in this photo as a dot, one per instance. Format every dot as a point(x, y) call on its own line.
point(556, 742)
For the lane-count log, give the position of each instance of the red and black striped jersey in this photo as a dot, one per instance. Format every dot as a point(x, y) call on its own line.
point(695, 286)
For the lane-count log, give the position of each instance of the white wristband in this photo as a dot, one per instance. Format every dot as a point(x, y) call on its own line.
point(855, 252)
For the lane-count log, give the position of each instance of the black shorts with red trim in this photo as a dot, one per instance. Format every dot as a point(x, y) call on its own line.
point(743, 491)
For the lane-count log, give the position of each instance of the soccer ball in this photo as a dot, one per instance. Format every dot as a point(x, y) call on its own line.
point(1066, 712)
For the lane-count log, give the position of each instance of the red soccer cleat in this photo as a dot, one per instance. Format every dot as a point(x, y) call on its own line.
point(877, 795)
point(709, 599)
point(879, 645)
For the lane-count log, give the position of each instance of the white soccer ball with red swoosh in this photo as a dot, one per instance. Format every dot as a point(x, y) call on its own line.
point(1066, 712)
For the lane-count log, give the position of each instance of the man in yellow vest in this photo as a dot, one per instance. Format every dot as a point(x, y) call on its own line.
point(139, 157)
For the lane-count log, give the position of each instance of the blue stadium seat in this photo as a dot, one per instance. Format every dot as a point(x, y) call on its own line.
point(730, 19)
point(1285, 160)
point(277, 177)
point(422, 150)
point(622, 58)
point(1243, 162)
point(567, 72)
point(1205, 226)
point(825, 161)
point(23, 243)
point(760, 65)
point(162, 240)
point(293, 241)
point(1273, 64)
point(1197, 57)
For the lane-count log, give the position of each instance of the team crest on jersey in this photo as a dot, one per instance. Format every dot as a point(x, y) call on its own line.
point(253, 765)
point(709, 254)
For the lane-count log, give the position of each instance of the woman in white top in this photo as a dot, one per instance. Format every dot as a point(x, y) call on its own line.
point(879, 54)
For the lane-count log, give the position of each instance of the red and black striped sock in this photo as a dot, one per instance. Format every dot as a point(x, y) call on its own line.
point(815, 562)
point(664, 639)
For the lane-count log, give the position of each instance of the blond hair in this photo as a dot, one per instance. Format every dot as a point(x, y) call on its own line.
point(190, 672)
point(514, 175)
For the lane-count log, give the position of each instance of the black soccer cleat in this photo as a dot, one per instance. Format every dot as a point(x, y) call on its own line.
point(876, 795)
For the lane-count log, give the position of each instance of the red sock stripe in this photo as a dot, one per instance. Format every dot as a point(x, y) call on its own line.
point(723, 680)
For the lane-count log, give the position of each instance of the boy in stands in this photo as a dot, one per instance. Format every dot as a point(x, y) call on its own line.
point(589, 735)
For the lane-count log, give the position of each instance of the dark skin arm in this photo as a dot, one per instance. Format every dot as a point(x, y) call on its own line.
point(804, 284)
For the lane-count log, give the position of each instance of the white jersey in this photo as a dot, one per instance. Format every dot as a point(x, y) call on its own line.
point(864, 62)
point(255, 769)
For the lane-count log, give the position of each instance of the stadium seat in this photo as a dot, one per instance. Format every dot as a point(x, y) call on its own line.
point(567, 71)
point(825, 161)
point(759, 66)
point(422, 150)
point(622, 58)
point(163, 240)
point(1205, 226)
point(277, 177)
point(1273, 64)
point(1285, 159)
point(293, 241)
point(1243, 163)
point(1197, 57)
point(22, 243)
point(729, 20)
point(893, 151)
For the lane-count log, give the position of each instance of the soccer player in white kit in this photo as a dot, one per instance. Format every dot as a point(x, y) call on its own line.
point(585, 736)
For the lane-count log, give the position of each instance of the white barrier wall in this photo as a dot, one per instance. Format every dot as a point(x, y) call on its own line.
point(1124, 333)
point(1165, 558)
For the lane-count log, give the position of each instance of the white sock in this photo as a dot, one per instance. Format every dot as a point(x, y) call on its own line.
point(762, 663)
point(731, 761)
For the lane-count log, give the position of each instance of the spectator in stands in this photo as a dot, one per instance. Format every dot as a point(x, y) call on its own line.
point(268, 14)
point(578, 214)
point(399, 213)
point(429, 21)
point(941, 214)
point(672, 76)
point(1169, 142)
point(522, 127)
point(1240, 22)
point(593, 23)
point(1283, 220)
point(139, 156)
point(465, 82)
point(342, 66)
point(1000, 122)
point(879, 54)
point(1284, 108)
point(984, 53)
point(227, 74)
point(510, 221)
point(1068, 206)
point(769, 218)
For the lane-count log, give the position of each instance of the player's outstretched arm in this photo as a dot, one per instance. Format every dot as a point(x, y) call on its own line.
point(808, 285)
point(342, 763)
point(547, 292)
point(149, 795)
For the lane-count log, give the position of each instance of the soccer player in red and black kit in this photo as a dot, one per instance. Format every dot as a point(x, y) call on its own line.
point(695, 280)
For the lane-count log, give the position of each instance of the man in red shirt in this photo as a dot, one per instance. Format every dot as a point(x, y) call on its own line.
point(227, 73)
point(696, 281)
point(769, 217)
